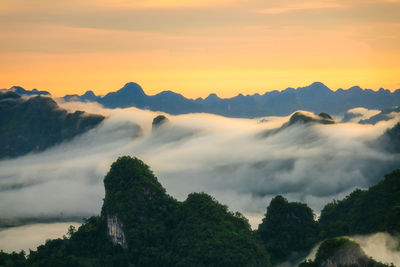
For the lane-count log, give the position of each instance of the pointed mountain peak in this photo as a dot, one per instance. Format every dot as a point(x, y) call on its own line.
point(133, 89)
point(89, 93)
point(316, 87)
point(319, 86)
point(212, 97)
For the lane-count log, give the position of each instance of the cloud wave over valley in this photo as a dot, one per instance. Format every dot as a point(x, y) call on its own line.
point(234, 160)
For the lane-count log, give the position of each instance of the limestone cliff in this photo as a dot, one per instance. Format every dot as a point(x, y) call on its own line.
point(116, 231)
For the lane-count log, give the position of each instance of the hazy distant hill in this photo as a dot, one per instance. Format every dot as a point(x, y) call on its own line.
point(315, 97)
point(384, 115)
point(36, 123)
point(21, 91)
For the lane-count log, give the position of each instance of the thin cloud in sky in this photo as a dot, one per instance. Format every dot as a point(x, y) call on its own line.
point(301, 6)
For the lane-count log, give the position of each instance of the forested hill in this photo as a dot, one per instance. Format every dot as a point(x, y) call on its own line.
point(36, 123)
point(141, 225)
point(289, 231)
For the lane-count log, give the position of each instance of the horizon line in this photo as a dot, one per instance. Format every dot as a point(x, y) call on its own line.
point(209, 94)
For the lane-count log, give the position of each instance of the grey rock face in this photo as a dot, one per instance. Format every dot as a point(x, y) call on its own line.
point(115, 231)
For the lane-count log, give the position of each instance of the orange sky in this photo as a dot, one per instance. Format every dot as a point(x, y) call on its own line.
point(200, 46)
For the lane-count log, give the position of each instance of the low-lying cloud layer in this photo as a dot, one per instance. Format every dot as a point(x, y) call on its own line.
point(29, 237)
point(382, 247)
point(227, 158)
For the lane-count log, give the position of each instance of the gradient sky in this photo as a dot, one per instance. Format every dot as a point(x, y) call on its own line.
point(200, 46)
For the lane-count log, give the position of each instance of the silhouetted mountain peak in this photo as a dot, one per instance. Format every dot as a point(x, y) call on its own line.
point(315, 88)
point(88, 96)
point(89, 93)
point(21, 91)
point(318, 84)
point(132, 89)
point(314, 97)
point(212, 97)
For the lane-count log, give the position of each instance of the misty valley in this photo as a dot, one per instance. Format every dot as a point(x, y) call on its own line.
point(301, 177)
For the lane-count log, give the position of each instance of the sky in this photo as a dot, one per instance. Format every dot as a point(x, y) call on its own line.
point(198, 47)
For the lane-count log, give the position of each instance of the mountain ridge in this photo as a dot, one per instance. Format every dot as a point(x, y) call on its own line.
point(315, 97)
point(34, 124)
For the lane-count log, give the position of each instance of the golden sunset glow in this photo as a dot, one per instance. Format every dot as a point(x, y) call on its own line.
point(200, 46)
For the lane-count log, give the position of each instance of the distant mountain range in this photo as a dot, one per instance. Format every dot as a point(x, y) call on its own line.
point(315, 98)
point(21, 91)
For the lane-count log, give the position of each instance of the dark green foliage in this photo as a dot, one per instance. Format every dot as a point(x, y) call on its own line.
point(159, 229)
point(12, 260)
point(363, 212)
point(135, 196)
point(88, 246)
point(341, 252)
point(209, 235)
point(34, 124)
point(288, 229)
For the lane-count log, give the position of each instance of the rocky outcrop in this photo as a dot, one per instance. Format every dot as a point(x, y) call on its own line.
point(302, 118)
point(116, 231)
point(158, 121)
point(307, 117)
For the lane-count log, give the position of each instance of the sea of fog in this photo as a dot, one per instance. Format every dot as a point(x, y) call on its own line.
point(234, 160)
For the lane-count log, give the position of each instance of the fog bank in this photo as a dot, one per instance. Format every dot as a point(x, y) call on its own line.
point(227, 158)
point(29, 237)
